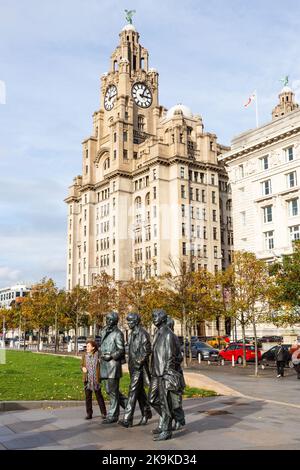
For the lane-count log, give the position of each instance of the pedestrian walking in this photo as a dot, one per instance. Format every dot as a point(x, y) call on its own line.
point(281, 356)
point(90, 367)
point(296, 360)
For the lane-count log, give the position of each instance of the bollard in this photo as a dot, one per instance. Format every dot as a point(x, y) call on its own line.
point(232, 361)
point(199, 358)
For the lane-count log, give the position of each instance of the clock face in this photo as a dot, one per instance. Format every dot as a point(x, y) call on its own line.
point(141, 95)
point(110, 97)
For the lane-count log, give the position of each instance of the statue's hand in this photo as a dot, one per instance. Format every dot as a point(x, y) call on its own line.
point(84, 370)
point(106, 357)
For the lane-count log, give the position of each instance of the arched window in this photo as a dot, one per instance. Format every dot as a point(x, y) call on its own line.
point(229, 205)
point(138, 203)
point(147, 199)
point(106, 164)
point(141, 122)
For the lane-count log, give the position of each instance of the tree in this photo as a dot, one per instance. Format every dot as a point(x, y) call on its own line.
point(285, 301)
point(250, 288)
point(38, 309)
point(102, 299)
point(179, 296)
point(76, 309)
point(142, 296)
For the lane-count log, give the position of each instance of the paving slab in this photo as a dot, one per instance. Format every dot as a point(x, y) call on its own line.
point(212, 423)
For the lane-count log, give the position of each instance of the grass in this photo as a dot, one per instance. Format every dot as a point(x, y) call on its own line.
point(30, 376)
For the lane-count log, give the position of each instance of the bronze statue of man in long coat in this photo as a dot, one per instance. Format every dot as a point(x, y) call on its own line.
point(139, 350)
point(112, 355)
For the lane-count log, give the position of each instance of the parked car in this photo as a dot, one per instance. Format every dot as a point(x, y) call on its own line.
point(271, 339)
point(268, 358)
point(207, 352)
point(250, 340)
point(216, 341)
point(236, 350)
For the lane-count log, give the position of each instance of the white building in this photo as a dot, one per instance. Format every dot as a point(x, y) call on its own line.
point(264, 171)
point(12, 294)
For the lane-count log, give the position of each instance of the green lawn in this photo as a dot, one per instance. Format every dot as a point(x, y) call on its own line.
point(30, 376)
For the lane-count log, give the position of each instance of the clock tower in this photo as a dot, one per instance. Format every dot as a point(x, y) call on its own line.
point(129, 109)
point(151, 187)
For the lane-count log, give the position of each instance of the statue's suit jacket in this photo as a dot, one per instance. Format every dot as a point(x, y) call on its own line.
point(163, 352)
point(112, 342)
point(139, 350)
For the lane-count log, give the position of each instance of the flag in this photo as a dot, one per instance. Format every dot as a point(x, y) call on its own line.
point(250, 99)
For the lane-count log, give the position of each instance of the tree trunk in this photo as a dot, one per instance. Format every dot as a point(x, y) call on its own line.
point(256, 349)
point(190, 345)
point(184, 336)
point(39, 339)
point(76, 332)
point(244, 341)
point(56, 336)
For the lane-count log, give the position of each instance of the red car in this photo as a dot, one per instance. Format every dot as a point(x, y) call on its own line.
point(236, 350)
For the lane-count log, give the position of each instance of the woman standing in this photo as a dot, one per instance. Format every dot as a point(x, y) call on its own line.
point(91, 377)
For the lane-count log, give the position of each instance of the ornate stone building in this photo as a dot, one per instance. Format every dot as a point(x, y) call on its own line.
point(151, 185)
point(264, 171)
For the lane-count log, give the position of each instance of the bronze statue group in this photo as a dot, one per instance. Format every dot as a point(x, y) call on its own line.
point(157, 365)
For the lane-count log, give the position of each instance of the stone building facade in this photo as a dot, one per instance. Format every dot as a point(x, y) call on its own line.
point(151, 186)
point(264, 172)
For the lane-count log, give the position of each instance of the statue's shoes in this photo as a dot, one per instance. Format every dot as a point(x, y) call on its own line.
point(156, 431)
point(178, 426)
point(88, 417)
point(109, 420)
point(163, 436)
point(144, 420)
point(125, 424)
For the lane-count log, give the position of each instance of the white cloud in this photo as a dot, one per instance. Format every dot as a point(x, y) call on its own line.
point(8, 275)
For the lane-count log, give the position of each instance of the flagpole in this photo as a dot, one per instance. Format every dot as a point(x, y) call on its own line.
point(256, 109)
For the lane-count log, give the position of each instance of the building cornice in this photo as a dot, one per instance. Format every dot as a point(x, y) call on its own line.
point(240, 152)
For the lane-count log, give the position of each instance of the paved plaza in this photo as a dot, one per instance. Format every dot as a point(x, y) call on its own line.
point(212, 423)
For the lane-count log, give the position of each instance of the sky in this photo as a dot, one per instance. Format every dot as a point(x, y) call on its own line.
point(210, 55)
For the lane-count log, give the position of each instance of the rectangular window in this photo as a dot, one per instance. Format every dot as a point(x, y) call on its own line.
point(125, 136)
point(243, 217)
point(295, 232)
point(183, 229)
point(115, 137)
point(213, 197)
point(183, 192)
point(214, 216)
point(294, 207)
point(203, 195)
point(266, 187)
point(115, 154)
point(215, 252)
point(213, 180)
point(182, 172)
point(264, 162)
point(215, 233)
point(204, 251)
point(268, 214)
point(292, 179)
point(154, 174)
point(241, 171)
point(269, 240)
point(125, 154)
point(154, 192)
point(289, 154)
point(184, 248)
point(183, 210)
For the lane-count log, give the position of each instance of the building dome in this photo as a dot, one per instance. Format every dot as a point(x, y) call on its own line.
point(286, 89)
point(179, 109)
point(129, 27)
